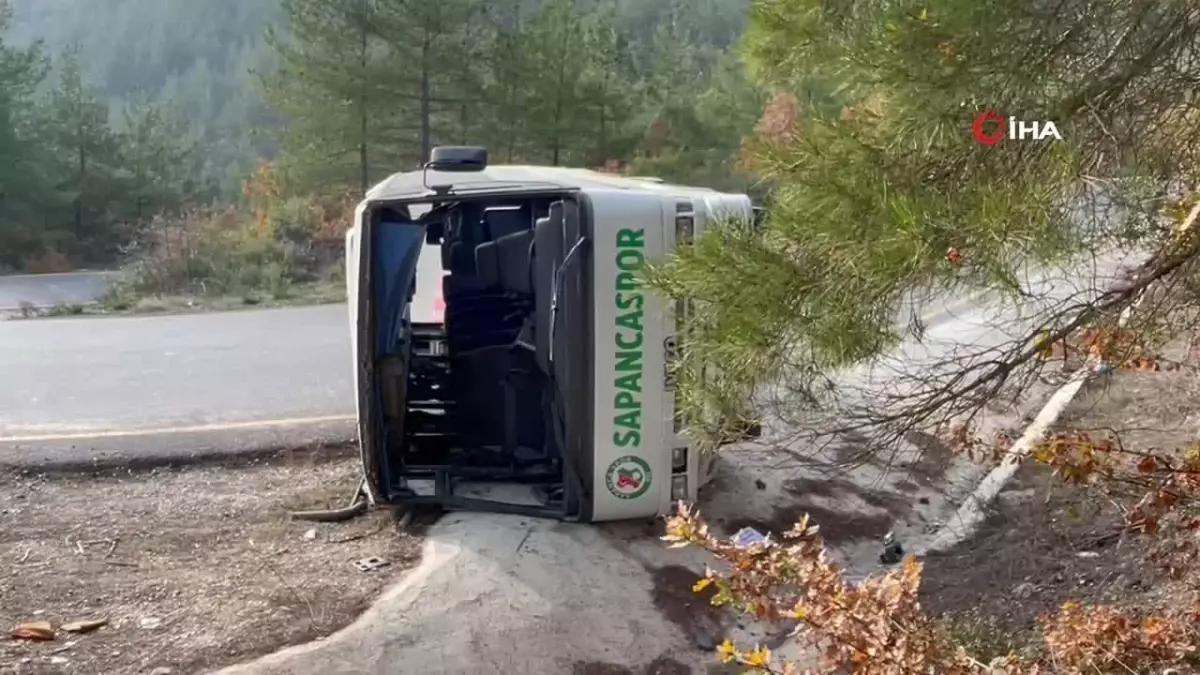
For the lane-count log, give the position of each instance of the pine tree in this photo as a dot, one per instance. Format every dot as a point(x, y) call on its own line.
point(871, 195)
point(558, 108)
point(321, 89)
point(366, 87)
point(74, 126)
point(159, 160)
point(24, 187)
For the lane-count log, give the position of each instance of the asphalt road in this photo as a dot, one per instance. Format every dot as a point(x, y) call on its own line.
point(47, 290)
point(150, 389)
point(81, 389)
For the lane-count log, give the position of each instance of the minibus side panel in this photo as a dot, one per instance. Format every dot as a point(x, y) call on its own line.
point(632, 464)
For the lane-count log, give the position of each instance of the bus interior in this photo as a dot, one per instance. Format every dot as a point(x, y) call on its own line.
point(481, 319)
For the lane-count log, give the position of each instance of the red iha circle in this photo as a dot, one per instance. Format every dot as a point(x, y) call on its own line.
point(978, 128)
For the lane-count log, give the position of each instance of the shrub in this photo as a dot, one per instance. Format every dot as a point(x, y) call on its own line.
point(876, 626)
point(210, 252)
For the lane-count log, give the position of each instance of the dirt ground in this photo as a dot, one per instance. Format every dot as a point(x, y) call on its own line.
point(193, 569)
point(1046, 543)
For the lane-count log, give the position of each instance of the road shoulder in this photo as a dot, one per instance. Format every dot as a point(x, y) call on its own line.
point(193, 569)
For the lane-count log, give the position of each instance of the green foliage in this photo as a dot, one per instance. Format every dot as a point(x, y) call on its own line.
point(366, 88)
point(194, 57)
point(868, 201)
point(79, 186)
point(157, 105)
point(21, 69)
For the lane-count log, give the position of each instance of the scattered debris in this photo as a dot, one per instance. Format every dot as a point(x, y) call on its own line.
point(85, 626)
point(39, 631)
point(67, 646)
point(1024, 591)
point(1088, 554)
point(748, 536)
point(311, 534)
point(893, 550)
point(370, 564)
point(358, 505)
point(149, 622)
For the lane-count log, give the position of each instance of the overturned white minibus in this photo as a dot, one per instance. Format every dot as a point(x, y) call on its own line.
point(507, 356)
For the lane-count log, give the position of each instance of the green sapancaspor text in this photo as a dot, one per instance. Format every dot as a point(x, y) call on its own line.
point(629, 338)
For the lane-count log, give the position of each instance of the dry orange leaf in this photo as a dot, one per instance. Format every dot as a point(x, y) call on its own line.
point(34, 630)
point(85, 626)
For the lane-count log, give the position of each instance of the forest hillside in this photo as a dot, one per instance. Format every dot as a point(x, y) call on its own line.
point(131, 109)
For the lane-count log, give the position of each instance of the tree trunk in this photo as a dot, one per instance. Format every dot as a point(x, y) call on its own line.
point(559, 102)
point(82, 173)
point(364, 165)
point(426, 131)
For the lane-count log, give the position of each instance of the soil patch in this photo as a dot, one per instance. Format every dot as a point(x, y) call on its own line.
point(193, 569)
point(1045, 543)
point(853, 448)
point(934, 460)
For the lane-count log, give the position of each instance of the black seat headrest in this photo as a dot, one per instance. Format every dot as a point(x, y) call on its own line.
point(515, 264)
point(487, 263)
point(503, 222)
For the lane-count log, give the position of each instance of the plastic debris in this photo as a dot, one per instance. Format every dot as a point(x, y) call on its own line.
point(39, 631)
point(370, 564)
point(748, 536)
point(85, 626)
point(893, 551)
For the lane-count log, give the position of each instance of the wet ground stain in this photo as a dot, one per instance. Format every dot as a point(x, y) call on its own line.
point(935, 458)
point(703, 623)
point(660, 666)
point(838, 525)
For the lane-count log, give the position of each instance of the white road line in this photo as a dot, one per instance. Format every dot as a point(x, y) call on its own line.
point(166, 431)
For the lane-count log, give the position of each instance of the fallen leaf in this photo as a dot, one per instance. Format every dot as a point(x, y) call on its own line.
point(85, 626)
point(33, 630)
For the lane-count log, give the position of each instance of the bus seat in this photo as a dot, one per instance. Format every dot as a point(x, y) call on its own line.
point(462, 258)
point(503, 222)
point(487, 264)
point(512, 254)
